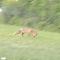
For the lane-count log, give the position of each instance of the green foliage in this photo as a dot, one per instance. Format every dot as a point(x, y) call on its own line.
point(41, 14)
point(15, 21)
point(1, 19)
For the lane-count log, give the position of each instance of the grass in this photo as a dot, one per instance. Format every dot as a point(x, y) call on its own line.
point(45, 46)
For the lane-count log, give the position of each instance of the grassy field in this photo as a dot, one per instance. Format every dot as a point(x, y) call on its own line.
point(45, 46)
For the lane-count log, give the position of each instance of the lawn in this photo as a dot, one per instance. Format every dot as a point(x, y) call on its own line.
point(45, 46)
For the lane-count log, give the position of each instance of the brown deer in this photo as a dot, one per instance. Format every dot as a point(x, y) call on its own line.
point(23, 31)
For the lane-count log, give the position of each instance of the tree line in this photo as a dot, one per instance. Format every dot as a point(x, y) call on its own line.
point(41, 14)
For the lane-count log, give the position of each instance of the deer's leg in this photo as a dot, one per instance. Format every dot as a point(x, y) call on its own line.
point(34, 34)
point(22, 33)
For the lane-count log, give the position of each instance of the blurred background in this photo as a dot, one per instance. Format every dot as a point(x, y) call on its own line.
point(40, 14)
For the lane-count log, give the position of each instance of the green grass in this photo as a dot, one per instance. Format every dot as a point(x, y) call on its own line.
point(45, 46)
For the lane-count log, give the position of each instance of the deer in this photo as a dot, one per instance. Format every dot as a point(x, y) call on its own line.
point(30, 31)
